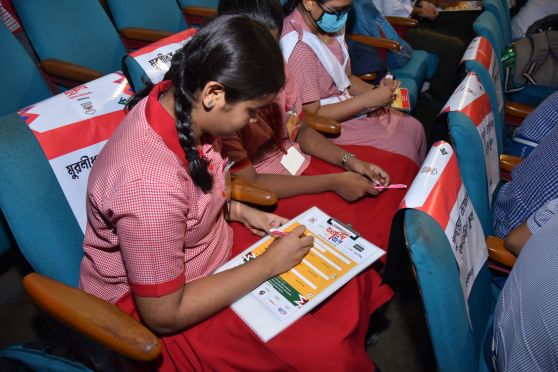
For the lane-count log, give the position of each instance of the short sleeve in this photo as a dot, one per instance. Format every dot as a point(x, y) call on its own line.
point(304, 68)
point(150, 221)
point(542, 215)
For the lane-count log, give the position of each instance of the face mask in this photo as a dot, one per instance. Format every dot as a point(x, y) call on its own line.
point(331, 23)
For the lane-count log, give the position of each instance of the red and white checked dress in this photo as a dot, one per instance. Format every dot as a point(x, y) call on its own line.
point(150, 230)
point(393, 131)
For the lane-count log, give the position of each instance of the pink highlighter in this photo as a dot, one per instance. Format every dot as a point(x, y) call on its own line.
point(276, 233)
point(394, 186)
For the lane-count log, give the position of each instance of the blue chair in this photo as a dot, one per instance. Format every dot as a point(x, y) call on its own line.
point(21, 80)
point(502, 14)
point(74, 40)
point(23, 85)
point(144, 21)
point(198, 12)
point(457, 324)
point(457, 345)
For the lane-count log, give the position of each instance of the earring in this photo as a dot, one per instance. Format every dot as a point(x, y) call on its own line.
point(210, 104)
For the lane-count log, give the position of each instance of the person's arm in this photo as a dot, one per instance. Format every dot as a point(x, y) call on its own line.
point(427, 10)
point(516, 238)
point(203, 297)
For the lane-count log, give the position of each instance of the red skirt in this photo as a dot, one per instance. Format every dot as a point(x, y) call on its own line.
point(331, 336)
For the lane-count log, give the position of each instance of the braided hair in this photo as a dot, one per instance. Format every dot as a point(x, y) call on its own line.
point(237, 52)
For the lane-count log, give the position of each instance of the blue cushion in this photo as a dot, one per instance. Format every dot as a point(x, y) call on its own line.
point(162, 15)
point(487, 25)
point(432, 64)
point(470, 155)
point(18, 75)
point(416, 68)
point(75, 31)
point(502, 14)
point(35, 208)
point(202, 3)
point(457, 347)
point(532, 95)
point(134, 73)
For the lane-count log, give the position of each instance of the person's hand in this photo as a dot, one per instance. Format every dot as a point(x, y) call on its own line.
point(374, 173)
point(427, 10)
point(257, 221)
point(380, 97)
point(390, 83)
point(352, 186)
point(287, 252)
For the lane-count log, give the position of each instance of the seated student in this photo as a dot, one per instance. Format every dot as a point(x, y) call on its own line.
point(517, 238)
point(258, 148)
point(525, 318)
point(535, 126)
point(316, 53)
point(156, 229)
point(530, 12)
point(534, 182)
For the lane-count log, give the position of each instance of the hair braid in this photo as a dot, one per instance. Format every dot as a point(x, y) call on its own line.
point(197, 165)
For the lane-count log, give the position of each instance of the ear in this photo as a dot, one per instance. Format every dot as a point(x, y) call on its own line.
point(213, 94)
point(308, 4)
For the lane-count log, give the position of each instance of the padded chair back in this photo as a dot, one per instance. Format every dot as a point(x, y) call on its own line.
point(79, 32)
point(21, 81)
point(502, 14)
point(213, 4)
point(150, 63)
point(46, 152)
point(473, 134)
point(162, 15)
point(434, 212)
point(481, 59)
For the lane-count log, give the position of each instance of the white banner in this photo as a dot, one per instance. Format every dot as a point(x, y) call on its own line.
point(72, 128)
point(155, 58)
point(439, 192)
point(471, 99)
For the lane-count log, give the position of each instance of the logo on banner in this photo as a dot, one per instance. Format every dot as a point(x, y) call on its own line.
point(471, 99)
point(72, 128)
point(443, 197)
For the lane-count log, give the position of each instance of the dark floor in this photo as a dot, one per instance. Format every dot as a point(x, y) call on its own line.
point(397, 345)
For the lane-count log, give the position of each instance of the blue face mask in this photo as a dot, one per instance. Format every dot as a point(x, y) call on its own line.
point(331, 22)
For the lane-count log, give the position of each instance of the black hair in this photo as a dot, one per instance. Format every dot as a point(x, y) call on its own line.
point(268, 12)
point(290, 5)
point(237, 52)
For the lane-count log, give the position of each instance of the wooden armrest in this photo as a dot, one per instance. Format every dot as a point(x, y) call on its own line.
point(198, 11)
point(376, 42)
point(144, 34)
point(497, 252)
point(321, 123)
point(249, 192)
point(402, 21)
point(93, 317)
point(509, 162)
point(368, 77)
point(70, 71)
point(518, 109)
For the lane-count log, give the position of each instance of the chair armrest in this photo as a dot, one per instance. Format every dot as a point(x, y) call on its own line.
point(368, 77)
point(70, 71)
point(376, 42)
point(497, 252)
point(518, 109)
point(249, 192)
point(93, 317)
point(198, 11)
point(402, 21)
point(509, 162)
point(321, 123)
point(144, 34)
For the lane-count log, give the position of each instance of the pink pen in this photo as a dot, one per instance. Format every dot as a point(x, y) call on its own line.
point(277, 233)
point(394, 186)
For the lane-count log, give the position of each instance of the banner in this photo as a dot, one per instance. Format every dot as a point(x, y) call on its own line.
point(481, 51)
point(155, 59)
point(439, 192)
point(72, 128)
point(471, 99)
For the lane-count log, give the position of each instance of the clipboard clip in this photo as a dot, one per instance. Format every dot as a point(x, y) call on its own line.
point(341, 226)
